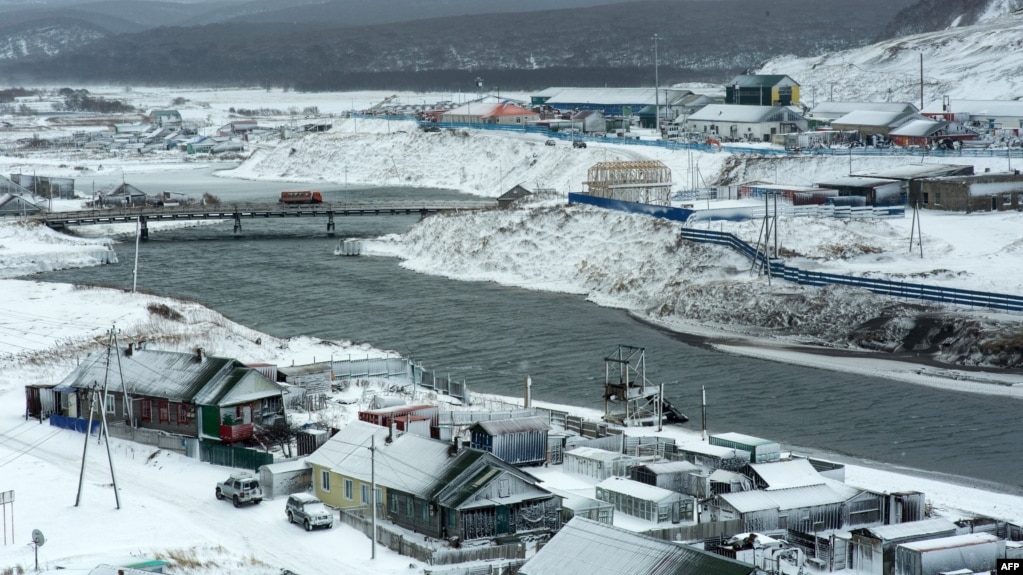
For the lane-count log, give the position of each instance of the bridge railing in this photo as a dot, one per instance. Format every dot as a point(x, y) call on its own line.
point(990, 300)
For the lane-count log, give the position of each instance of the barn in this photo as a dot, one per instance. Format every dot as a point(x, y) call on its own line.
point(519, 441)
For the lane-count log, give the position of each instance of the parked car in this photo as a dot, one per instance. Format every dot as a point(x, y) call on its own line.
point(551, 142)
point(240, 488)
point(578, 144)
point(308, 511)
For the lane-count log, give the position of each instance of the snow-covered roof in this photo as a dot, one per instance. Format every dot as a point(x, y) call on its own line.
point(787, 474)
point(839, 109)
point(612, 96)
point(912, 171)
point(489, 110)
point(996, 108)
point(638, 490)
point(410, 463)
point(514, 425)
point(950, 542)
point(856, 182)
point(737, 113)
point(912, 529)
point(584, 547)
point(594, 454)
point(782, 499)
point(665, 467)
point(712, 450)
point(743, 439)
point(918, 128)
point(762, 80)
point(872, 118)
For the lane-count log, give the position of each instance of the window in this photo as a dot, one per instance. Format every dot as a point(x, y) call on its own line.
point(365, 495)
point(164, 411)
point(182, 414)
point(325, 480)
point(349, 490)
point(424, 512)
point(927, 197)
point(111, 403)
point(392, 502)
point(147, 409)
point(937, 198)
point(410, 506)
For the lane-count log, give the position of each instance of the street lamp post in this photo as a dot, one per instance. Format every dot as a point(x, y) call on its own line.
point(657, 88)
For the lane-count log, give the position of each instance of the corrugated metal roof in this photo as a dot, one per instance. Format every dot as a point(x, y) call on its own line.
point(713, 450)
point(743, 439)
point(794, 498)
point(665, 467)
point(638, 490)
point(514, 425)
point(871, 118)
point(857, 182)
point(918, 128)
point(171, 375)
point(788, 473)
point(950, 542)
point(595, 454)
point(912, 529)
point(910, 171)
point(738, 113)
point(585, 547)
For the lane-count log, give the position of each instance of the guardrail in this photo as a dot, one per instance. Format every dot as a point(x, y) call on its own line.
point(779, 269)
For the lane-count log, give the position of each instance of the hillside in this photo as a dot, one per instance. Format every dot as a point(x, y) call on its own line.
point(599, 45)
point(981, 61)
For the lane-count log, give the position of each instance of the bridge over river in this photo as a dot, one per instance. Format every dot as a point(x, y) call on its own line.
point(237, 212)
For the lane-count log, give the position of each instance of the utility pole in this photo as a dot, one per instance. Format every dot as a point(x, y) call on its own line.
point(657, 87)
point(373, 488)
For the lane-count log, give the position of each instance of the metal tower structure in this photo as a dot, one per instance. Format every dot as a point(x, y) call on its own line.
point(629, 398)
point(644, 181)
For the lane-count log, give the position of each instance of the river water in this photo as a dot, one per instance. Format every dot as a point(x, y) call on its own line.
point(282, 278)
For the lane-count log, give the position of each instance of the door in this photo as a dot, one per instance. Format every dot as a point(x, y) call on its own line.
point(503, 521)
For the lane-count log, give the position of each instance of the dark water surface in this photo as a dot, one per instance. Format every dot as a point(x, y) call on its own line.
point(281, 277)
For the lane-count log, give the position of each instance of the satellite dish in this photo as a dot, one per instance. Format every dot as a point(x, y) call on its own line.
point(37, 538)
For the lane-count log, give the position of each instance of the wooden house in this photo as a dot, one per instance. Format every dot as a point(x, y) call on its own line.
point(385, 416)
point(509, 198)
point(762, 90)
point(987, 192)
point(872, 549)
point(745, 123)
point(519, 441)
point(647, 502)
point(585, 547)
point(188, 394)
point(427, 486)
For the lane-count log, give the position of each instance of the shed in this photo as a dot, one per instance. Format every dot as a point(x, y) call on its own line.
point(977, 552)
point(872, 549)
point(876, 191)
point(646, 501)
point(518, 441)
point(713, 456)
point(799, 508)
point(783, 474)
point(986, 192)
point(592, 462)
point(760, 450)
point(576, 505)
point(280, 479)
point(671, 475)
point(505, 200)
point(11, 205)
point(609, 550)
point(591, 121)
point(309, 440)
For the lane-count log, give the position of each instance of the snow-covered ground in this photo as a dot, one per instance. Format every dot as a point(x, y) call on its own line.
point(616, 259)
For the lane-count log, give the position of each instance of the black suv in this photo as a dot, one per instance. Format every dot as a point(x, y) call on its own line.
point(578, 144)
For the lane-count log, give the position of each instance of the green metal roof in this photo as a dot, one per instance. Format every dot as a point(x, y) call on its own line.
point(760, 80)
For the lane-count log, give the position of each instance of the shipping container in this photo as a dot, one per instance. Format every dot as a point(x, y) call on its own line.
point(978, 552)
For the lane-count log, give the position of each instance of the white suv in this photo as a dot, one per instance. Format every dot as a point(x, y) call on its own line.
point(309, 511)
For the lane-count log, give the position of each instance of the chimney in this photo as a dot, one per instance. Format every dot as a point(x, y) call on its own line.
point(199, 354)
point(528, 400)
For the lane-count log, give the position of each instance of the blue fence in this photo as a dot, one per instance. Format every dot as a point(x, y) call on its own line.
point(666, 212)
point(73, 423)
point(885, 287)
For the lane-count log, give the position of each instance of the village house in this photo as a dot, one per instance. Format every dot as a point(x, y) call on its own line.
point(166, 118)
point(745, 123)
point(188, 394)
point(431, 487)
point(992, 116)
